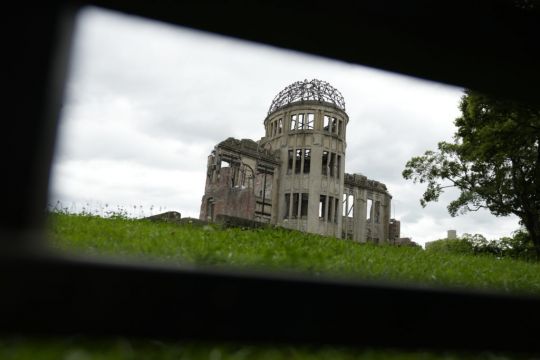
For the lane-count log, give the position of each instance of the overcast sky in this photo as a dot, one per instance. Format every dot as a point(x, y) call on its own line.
point(146, 102)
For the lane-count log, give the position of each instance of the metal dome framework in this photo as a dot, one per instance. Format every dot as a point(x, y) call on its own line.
point(315, 89)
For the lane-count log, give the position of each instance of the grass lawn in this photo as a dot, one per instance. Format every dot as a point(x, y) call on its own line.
point(285, 250)
point(270, 249)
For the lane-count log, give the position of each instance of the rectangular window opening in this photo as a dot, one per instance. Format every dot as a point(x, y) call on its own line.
point(295, 206)
point(304, 207)
point(280, 126)
point(325, 163)
point(300, 122)
point(331, 210)
point(326, 123)
point(369, 206)
point(298, 161)
point(338, 165)
point(307, 160)
point(332, 163)
point(309, 121)
point(293, 122)
point(336, 207)
point(291, 162)
point(287, 205)
point(322, 206)
point(334, 125)
point(350, 206)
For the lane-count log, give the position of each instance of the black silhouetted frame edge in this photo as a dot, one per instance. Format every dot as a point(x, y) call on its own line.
point(486, 45)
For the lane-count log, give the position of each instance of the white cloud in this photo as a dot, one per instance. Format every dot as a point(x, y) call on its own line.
point(146, 103)
point(127, 184)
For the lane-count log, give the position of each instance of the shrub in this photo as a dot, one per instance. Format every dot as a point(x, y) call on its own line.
point(453, 246)
point(519, 246)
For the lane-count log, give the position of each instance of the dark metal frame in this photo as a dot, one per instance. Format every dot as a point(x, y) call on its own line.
point(490, 45)
point(314, 90)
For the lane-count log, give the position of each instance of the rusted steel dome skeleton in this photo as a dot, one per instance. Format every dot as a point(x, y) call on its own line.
point(316, 90)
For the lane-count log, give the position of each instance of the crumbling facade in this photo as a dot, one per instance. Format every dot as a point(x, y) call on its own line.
point(294, 176)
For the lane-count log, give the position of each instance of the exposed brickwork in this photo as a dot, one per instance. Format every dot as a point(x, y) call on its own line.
point(228, 200)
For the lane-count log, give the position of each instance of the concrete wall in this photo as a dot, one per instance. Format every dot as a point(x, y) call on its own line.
point(327, 182)
point(239, 182)
point(394, 231)
point(222, 198)
point(365, 225)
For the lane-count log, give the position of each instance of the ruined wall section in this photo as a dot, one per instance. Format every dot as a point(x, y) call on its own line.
point(239, 182)
point(221, 198)
point(394, 231)
point(366, 209)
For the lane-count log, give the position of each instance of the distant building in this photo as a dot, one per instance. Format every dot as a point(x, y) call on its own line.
point(450, 234)
point(294, 176)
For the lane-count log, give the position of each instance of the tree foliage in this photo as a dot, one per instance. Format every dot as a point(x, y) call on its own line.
point(517, 246)
point(450, 246)
point(493, 161)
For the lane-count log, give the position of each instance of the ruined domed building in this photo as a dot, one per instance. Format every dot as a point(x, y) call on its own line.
point(295, 175)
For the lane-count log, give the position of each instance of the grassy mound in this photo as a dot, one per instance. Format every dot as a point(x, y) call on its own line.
point(285, 250)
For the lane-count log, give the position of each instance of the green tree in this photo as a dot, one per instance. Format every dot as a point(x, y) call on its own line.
point(493, 161)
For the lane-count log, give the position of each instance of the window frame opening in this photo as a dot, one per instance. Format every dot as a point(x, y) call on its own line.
point(322, 207)
point(307, 161)
point(369, 210)
point(324, 159)
point(310, 121)
point(326, 123)
point(298, 161)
